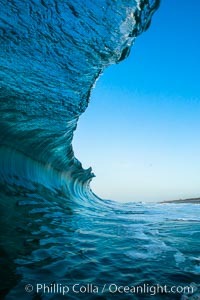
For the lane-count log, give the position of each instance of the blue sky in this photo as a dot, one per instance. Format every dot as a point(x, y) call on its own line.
point(141, 131)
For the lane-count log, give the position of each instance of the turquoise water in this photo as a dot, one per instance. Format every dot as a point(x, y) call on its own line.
point(57, 238)
point(100, 243)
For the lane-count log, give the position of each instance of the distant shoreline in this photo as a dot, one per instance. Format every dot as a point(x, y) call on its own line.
point(191, 200)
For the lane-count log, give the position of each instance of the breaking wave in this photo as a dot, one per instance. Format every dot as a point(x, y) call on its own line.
point(52, 52)
point(53, 228)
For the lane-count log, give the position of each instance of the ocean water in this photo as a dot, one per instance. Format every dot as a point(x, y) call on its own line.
point(57, 238)
point(101, 243)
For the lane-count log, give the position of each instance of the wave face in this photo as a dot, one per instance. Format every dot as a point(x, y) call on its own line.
point(52, 52)
point(52, 227)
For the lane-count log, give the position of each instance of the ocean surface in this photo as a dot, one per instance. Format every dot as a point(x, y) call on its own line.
point(58, 240)
point(100, 243)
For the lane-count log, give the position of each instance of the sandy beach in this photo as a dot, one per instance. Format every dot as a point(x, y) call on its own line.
point(191, 200)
